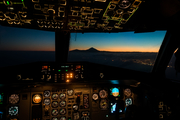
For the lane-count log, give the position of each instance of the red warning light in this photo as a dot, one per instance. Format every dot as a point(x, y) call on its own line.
point(78, 66)
point(44, 67)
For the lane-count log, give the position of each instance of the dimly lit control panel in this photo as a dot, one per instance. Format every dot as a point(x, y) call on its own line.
point(62, 73)
point(69, 102)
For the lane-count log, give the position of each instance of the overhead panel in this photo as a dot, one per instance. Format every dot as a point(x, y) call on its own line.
point(73, 15)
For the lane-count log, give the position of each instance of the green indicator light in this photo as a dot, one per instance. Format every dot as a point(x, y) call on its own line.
point(118, 95)
point(59, 70)
point(8, 2)
point(66, 70)
point(106, 115)
point(22, 0)
point(110, 93)
point(2, 93)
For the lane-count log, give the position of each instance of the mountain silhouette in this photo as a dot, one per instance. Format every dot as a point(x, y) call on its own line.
point(92, 50)
point(88, 50)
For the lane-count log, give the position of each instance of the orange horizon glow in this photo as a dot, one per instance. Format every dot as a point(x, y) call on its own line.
point(126, 49)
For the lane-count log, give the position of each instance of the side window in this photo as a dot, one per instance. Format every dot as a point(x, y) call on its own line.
point(171, 72)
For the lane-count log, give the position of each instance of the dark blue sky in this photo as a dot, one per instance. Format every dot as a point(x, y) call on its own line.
point(26, 39)
point(35, 40)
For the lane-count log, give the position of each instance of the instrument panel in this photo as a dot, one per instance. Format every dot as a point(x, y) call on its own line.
point(38, 93)
point(68, 102)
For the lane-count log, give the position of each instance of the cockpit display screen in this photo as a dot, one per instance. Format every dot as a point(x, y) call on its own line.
point(113, 107)
point(1, 98)
point(115, 92)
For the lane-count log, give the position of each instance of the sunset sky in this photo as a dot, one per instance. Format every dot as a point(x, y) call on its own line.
point(18, 39)
point(124, 41)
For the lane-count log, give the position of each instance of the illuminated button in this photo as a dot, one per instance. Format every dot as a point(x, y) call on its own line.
point(66, 70)
point(8, 2)
point(67, 80)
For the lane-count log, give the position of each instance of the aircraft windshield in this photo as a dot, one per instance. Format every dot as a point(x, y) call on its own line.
point(129, 50)
point(20, 46)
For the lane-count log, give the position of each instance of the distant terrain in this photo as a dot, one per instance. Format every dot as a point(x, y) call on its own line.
point(142, 61)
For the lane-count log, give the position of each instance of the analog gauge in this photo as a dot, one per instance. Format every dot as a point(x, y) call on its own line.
point(128, 101)
point(62, 111)
point(63, 118)
point(54, 96)
point(55, 112)
point(115, 92)
point(103, 104)
point(127, 92)
point(47, 93)
point(62, 103)
point(103, 94)
point(75, 107)
point(37, 98)
point(62, 96)
point(13, 110)
point(14, 98)
point(54, 104)
point(47, 101)
point(95, 96)
point(54, 118)
point(124, 4)
point(76, 116)
point(70, 92)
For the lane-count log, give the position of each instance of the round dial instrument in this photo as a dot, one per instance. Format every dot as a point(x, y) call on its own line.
point(103, 94)
point(54, 96)
point(13, 110)
point(115, 92)
point(37, 98)
point(75, 107)
point(76, 115)
point(14, 98)
point(62, 103)
point(55, 112)
point(127, 92)
point(103, 104)
point(62, 96)
point(47, 101)
point(54, 104)
point(54, 118)
point(62, 111)
point(95, 96)
point(124, 4)
point(63, 118)
point(47, 93)
point(128, 101)
point(70, 92)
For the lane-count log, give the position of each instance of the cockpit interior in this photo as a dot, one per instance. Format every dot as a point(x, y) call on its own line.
point(89, 59)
